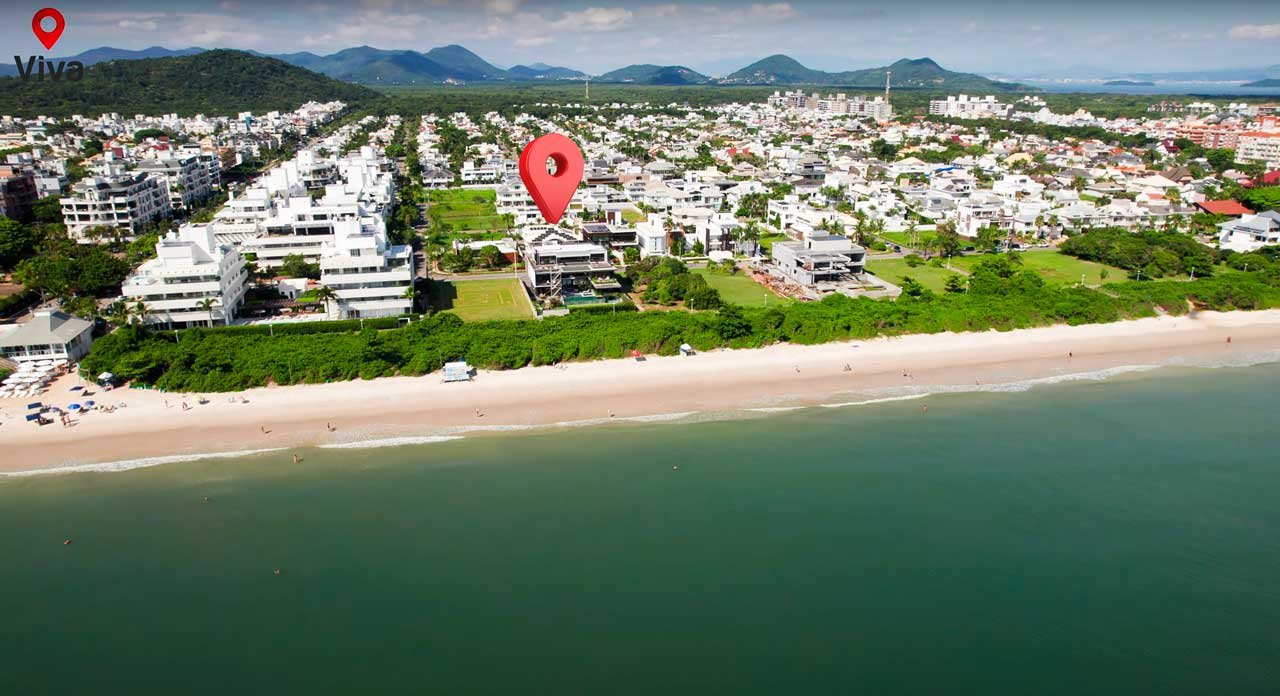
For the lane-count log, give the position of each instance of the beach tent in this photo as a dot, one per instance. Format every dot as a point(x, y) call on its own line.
point(458, 371)
point(686, 349)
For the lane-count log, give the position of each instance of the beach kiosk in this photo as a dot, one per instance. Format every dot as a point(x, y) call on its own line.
point(686, 349)
point(458, 371)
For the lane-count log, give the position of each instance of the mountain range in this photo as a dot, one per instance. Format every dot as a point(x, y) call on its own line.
point(453, 64)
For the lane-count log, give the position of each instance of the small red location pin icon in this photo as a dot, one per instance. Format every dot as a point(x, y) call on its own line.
point(50, 37)
point(552, 192)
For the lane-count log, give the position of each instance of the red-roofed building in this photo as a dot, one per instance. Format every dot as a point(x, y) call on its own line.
point(1227, 207)
point(1269, 179)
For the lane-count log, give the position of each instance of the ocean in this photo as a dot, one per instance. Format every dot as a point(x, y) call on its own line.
point(1104, 537)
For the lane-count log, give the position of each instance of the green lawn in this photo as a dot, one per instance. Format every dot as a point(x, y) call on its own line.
point(1057, 268)
point(740, 289)
point(894, 270)
point(767, 240)
point(631, 216)
point(457, 210)
point(481, 300)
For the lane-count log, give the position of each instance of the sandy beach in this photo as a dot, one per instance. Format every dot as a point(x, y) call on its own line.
point(153, 424)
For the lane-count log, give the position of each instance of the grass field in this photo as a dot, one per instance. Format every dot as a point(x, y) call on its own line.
point(894, 270)
point(460, 210)
point(631, 216)
point(740, 289)
point(481, 300)
point(1057, 268)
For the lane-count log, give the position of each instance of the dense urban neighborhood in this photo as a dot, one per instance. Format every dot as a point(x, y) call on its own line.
point(335, 217)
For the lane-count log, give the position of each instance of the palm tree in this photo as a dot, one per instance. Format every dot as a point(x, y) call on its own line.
point(326, 295)
point(140, 311)
point(207, 305)
point(411, 294)
point(118, 312)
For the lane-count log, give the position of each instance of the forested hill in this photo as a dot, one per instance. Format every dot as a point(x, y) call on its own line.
point(220, 82)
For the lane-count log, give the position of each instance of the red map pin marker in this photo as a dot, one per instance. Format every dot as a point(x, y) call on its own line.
point(48, 38)
point(552, 192)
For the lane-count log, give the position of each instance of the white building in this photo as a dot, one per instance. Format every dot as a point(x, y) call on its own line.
point(1251, 232)
point(193, 281)
point(965, 106)
point(127, 202)
point(1259, 147)
point(50, 335)
point(189, 179)
point(371, 277)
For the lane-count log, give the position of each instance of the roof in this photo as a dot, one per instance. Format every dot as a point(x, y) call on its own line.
point(1227, 207)
point(46, 327)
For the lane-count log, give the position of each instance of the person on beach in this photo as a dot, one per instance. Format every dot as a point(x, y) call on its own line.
point(847, 368)
point(264, 430)
point(330, 427)
point(479, 413)
point(1228, 340)
point(296, 459)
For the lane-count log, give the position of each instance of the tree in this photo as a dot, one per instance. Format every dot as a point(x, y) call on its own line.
point(206, 305)
point(731, 323)
point(17, 241)
point(491, 256)
point(955, 283)
point(297, 266)
point(326, 294)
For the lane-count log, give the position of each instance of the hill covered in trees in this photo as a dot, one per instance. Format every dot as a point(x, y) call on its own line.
point(213, 82)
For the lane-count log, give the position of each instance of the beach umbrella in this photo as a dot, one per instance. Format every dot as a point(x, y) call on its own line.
point(88, 404)
point(636, 353)
point(73, 407)
point(77, 388)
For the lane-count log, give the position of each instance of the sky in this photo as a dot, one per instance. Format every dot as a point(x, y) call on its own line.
point(711, 36)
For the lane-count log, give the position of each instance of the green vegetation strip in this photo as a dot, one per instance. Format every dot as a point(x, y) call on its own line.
point(999, 297)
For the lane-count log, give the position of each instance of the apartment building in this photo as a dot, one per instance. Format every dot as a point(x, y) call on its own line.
point(193, 281)
point(1259, 146)
point(127, 202)
point(370, 276)
point(964, 106)
point(189, 178)
point(18, 192)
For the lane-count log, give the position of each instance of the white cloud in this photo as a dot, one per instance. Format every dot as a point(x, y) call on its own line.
point(531, 41)
point(140, 25)
point(595, 19)
point(659, 11)
point(773, 12)
point(1263, 32)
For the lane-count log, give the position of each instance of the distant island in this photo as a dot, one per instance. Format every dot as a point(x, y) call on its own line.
point(1272, 82)
point(1128, 83)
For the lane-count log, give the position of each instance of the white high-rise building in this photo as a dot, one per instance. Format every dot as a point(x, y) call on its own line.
point(370, 277)
point(193, 281)
point(965, 106)
point(127, 202)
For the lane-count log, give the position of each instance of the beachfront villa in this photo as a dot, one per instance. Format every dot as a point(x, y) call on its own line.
point(50, 335)
point(1250, 232)
point(819, 258)
point(569, 269)
point(193, 281)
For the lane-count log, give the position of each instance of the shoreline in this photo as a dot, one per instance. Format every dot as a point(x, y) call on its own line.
point(409, 410)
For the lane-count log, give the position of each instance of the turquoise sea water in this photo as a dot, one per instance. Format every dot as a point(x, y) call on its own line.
point(1118, 537)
